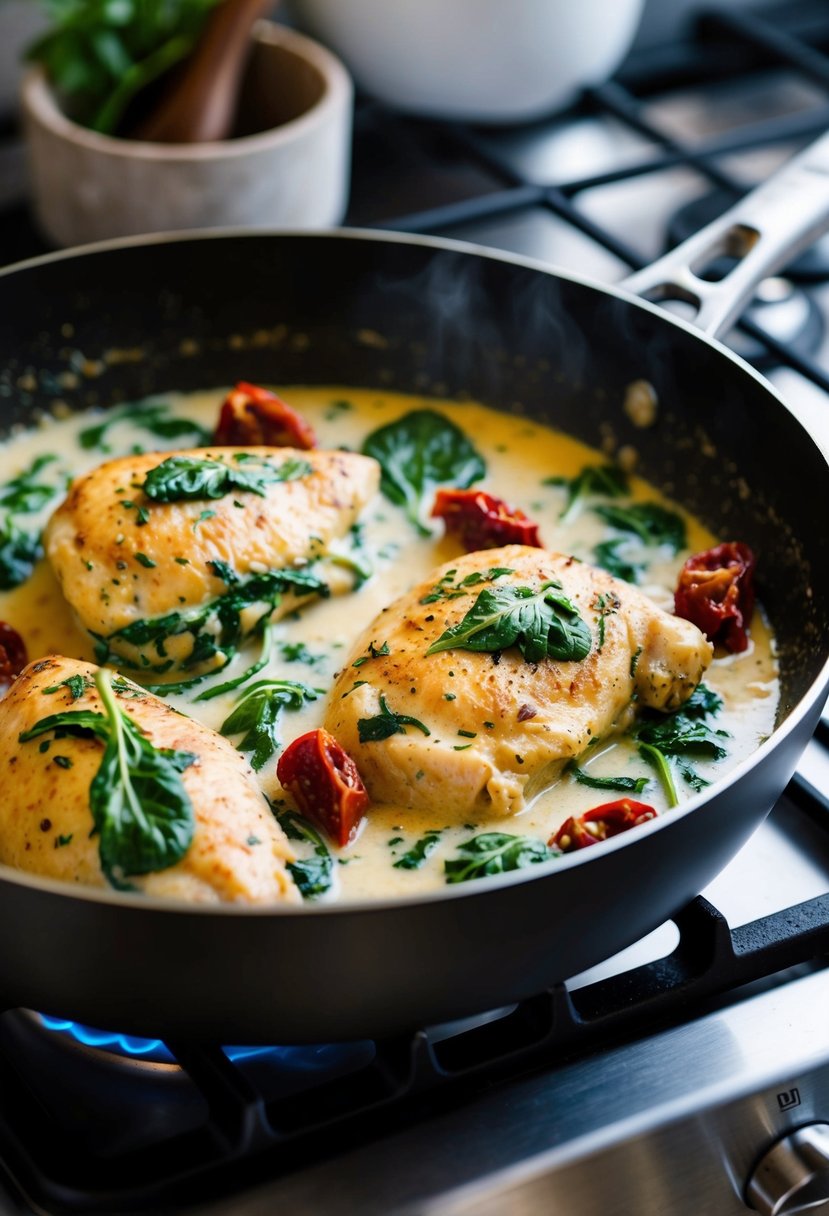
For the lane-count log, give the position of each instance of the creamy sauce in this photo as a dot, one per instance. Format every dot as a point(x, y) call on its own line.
point(520, 455)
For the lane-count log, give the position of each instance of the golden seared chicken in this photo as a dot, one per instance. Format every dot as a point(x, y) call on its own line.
point(164, 534)
point(237, 852)
point(469, 694)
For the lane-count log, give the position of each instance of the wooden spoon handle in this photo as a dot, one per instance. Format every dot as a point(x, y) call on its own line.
point(199, 103)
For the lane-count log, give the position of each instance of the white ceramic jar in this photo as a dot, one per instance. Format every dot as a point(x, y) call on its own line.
point(294, 171)
point(494, 61)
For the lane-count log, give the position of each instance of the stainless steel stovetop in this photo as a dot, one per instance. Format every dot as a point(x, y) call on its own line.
point(656, 1082)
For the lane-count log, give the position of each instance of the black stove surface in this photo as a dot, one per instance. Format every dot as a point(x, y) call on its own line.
point(93, 1122)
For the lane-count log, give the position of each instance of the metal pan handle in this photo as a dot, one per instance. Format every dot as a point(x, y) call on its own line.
point(764, 231)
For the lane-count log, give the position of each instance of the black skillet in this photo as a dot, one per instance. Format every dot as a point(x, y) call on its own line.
point(123, 320)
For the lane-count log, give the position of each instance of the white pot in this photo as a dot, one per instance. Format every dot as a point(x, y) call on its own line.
point(481, 60)
point(294, 172)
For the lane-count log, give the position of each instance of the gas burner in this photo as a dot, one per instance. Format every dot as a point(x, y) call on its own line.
point(781, 307)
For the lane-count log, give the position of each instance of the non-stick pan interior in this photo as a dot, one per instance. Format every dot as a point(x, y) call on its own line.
point(120, 323)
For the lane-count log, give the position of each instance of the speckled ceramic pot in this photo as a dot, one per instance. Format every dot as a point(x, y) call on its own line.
point(292, 170)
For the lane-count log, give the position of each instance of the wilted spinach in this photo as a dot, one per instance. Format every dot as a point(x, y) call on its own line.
point(257, 715)
point(543, 625)
point(313, 875)
point(414, 857)
point(142, 813)
point(151, 416)
point(683, 733)
point(599, 480)
point(386, 723)
point(495, 853)
point(652, 523)
point(418, 452)
point(185, 478)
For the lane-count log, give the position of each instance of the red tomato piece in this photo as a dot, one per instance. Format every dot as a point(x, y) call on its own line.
point(716, 593)
point(324, 782)
point(13, 657)
point(600, 822)
point(253, 415)
point(482, 521)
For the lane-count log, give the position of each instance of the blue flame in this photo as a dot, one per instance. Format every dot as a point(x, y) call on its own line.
point(130, 1045)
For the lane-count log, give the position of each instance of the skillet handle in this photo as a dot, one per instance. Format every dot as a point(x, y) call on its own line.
point(765, 230)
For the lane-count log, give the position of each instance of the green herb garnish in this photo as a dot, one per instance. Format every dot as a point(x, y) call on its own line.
point(543, 624)
point(606, 480)
point(414, 858)
point(495, 853)
point(683, 733)
point(608, 555)
point(142, 813)
point(77, 685)
point(184, 478)
point(630, 785)
point(418, 452)
point(373, 652)
point(152, 416)
point(386, 723)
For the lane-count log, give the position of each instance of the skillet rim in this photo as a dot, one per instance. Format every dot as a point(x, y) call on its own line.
point(450, 892)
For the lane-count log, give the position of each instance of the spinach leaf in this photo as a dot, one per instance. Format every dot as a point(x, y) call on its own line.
point(142, 813)
point(19, 551)
point(495, 853)
point(683, 733)
point(414, 858)
point(630, 785)
point(418, 452)
point(605, 480)
point(386, 723)
point(24, 494)
point(313, 875)
point(446, 589)
point(652, 523)
point(216, 626)
point(257, 714)
point(183, 478)
point(543, 625)
point(152, 416)
point(608, 555)
point(77, 685)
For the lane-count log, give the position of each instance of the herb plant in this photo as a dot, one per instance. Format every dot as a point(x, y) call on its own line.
point(142, 813)
point(418, 452)
point(543, 624)
point(101, 53)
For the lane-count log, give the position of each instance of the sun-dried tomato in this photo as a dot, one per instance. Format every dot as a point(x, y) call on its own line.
point(253, 415)
point(324, 783)
point(599, 823)
point(13, 657)
point(716, 592)
point(482, 521)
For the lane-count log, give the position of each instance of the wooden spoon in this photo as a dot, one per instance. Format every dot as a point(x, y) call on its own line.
point(199, 102)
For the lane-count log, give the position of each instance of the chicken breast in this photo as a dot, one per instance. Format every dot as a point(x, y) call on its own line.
point(491, 729)
point(238, 851)
point(125, 559)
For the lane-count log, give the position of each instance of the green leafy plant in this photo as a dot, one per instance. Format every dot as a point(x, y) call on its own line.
point(99, 54)
point(151, 416)
point(595, 480)
point(609, 554)
point(387, 723)
point(543, 625)
point(418, 452)
point(20, 548)
point(685, 732)
point(184, 478)
point(414, 857)
point(142, 813)
point(495, 853)
point(628, 785)
point(652, 523)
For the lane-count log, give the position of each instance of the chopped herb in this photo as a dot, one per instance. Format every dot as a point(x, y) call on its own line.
point(468, 734)
point(386, 723)
point(77, 685)
point(394, 840)
point(414, 858)
point(145, 561)
point(253, 840)
point(634, 661)
point(356, 684)
point(542, 624)
point(203, 516)
point(62, 761)
point(298, 652)
point(257, 713)
point(495, 853)
point(418, 452)
point(184, 478)
point(444, 588)
point(605, 606)
point(461, 747)
point(374, 652)
point(449, 696)
point(141, 811)
point(182, 561)
point(62, 841)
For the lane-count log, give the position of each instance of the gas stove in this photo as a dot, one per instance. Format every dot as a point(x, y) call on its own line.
point(688, 1074)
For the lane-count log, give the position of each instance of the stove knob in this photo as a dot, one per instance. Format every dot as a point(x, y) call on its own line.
point(793, 1176)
